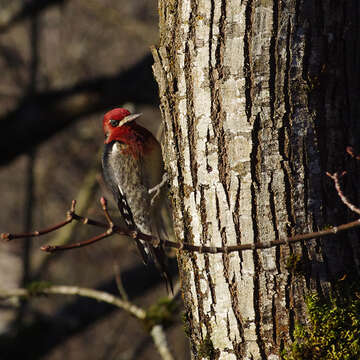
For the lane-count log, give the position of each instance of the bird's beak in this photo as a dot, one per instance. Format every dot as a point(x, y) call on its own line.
point(129, 118)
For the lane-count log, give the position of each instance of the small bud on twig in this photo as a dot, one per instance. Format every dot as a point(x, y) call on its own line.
point(103, 202)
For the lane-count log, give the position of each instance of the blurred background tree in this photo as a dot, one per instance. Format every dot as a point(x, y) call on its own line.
point(63, 64)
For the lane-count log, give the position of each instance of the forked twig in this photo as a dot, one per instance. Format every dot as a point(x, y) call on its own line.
point(69, 219)
point(114, 229)
point(107, 233)
point(111, 229)
point(70, 216)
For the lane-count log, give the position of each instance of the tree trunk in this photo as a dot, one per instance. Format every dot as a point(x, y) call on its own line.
point(258, 100)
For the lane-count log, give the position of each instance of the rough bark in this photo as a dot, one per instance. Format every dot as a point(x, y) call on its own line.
point(258, 99)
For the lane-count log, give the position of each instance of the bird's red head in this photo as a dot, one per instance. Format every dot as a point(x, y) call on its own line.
point(120, 125)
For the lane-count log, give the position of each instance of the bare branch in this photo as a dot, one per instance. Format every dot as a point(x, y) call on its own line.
point(8, 236)
point(119, 282)
point(112, 228)
point(157, 331)
point(53, 248)
point(159, 337)
point(85, 292)
point(157, 188)
point(71, 215)
point(343, 198)
point(84, 197)
point(107, 215)
point(107, 233)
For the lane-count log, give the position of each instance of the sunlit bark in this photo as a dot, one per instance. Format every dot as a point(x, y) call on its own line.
point(254, 97)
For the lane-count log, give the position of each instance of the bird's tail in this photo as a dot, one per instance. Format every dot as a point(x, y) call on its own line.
point(143, 250)
point(160, 260)
point(162, 226)
point(157, 252)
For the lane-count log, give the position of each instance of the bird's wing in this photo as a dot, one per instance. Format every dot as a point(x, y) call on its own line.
point(134, 200)
point(126, 213)
point(112, 180)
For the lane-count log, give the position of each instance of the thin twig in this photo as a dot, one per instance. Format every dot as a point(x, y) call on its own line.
point(157, 331)
point(343, 198)
point(157, 188)
point(85, 292)
point(53, 248)
point(107, 233)
point(181, 246)
point(112, 229)
point(119, 282)
point(8, 236)
point(107, 215)
point(64, 235)
point(159, 337)
point(84, 198)
point(69, 219)
point(71, 215)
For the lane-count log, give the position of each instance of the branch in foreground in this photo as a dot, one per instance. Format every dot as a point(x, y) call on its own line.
point(157, 331)
point(114, 229)
point(75, 290)
point(70, 216)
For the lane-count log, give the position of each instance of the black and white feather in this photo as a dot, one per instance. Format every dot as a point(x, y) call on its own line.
point(130, 179)
point(132, 195)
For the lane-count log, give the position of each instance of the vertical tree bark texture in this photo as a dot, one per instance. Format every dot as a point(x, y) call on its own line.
point(259, 99)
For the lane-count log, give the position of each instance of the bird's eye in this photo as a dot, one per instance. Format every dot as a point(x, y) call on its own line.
point(114, 123)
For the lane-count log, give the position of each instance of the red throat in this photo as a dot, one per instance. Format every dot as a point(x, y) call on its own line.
point(138, 139)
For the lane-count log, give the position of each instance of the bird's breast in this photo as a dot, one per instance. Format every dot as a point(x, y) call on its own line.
point(123, 164)
point(126, 173)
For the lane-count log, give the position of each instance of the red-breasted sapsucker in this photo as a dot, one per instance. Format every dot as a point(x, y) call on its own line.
point(132, 165)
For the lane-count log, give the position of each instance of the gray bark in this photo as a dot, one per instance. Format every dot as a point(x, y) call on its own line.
point(258, 100)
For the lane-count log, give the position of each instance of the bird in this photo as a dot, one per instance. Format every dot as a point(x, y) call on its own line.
point(133, 170)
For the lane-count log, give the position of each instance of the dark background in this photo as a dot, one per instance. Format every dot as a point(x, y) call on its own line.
point(63, 64)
